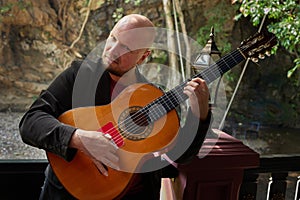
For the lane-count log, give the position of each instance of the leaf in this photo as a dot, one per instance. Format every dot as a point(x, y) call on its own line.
point(237, 17)
point(291, 71)
point(96, 4)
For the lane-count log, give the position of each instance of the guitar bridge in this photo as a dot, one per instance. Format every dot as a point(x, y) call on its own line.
point(111, 130)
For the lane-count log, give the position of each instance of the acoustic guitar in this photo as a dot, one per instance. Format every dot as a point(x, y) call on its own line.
point(141, 119)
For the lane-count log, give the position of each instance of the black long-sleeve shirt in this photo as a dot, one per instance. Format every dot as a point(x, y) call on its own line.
point(88, 85)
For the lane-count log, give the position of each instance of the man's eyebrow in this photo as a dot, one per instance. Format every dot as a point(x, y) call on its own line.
point(124, 45)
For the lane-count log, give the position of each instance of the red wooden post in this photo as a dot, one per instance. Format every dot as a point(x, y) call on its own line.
point(217, 172)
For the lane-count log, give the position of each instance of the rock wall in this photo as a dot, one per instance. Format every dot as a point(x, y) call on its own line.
point(36, 37)
point(37, 42)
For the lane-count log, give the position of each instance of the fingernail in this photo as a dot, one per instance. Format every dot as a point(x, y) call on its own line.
point(108, 136)
point(115, 167)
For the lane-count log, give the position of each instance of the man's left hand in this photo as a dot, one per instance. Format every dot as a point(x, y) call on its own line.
point(198, 94)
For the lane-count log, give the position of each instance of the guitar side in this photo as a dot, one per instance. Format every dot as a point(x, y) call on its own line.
point(81, 177)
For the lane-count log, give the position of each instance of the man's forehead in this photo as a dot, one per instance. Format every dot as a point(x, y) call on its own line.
point(135, 38)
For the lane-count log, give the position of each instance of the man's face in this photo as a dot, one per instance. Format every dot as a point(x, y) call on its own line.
point(121, 52)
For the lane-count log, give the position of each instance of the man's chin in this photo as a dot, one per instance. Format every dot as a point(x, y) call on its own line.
point(114, 72)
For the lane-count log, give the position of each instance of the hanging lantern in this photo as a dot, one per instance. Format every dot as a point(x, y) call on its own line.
point(207, 57)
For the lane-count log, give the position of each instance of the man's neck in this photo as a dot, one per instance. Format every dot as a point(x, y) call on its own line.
point(114, 77)
point(127, 79)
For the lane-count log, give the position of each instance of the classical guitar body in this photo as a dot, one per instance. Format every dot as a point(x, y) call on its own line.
point(81, 177)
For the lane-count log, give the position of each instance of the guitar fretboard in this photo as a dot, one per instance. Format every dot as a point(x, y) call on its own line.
point(171, 99)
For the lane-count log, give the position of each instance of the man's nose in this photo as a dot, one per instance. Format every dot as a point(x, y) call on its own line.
point(113, 50)
point(117, 50)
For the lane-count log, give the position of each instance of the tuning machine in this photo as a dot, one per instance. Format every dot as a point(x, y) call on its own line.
point(254, 59)
point(261, 56)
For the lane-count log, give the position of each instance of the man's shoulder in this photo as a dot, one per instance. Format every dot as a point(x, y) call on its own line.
point(84, 65)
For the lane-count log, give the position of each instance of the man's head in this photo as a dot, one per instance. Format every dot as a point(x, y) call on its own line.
point(128, 44)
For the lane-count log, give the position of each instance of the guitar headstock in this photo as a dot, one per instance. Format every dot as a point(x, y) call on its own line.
point(258, 45)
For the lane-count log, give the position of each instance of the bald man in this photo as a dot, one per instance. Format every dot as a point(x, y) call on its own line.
point(127, 46)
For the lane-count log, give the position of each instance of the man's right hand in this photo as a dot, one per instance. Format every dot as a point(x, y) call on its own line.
point(98, 147)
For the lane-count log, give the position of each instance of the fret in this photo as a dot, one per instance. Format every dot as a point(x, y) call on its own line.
point(235, 61)
point(180, 95)
point(224, 67)
point(154, 113)
point(213, 75)
point(205, 76)
point(226, 64)
point(171, 100)
point(221, 71)
point(162, 110)
point(239, 57)
point(167, 102)
point(151, 117)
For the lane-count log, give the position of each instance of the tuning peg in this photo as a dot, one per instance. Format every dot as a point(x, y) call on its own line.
point(268, 53)
point(254, 60)
point(261, 56)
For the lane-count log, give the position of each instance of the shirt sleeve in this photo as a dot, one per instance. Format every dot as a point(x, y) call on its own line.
point(40, 127)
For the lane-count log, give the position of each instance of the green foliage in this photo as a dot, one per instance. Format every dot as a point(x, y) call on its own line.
point(118, 14)
point(23, 5)
point(135, 2)
point(5, 8)
point(285, 16)
point(159, 56)
point(217, 18)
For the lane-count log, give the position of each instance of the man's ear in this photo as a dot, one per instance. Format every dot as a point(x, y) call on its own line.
point(144, 56)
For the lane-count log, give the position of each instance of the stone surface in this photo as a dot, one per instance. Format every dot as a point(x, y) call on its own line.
point(11, 144)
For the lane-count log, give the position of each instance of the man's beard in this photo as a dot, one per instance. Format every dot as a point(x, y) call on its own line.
point(115, 72)
point(114, 68)
point(122, 73)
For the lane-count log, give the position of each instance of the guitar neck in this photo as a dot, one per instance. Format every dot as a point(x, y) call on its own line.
point(223, 65)
point(171, 99)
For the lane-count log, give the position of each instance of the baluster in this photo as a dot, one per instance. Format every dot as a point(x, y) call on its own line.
point(277, 186)
point(249, 186)
point(262, 185)
point(297, 190)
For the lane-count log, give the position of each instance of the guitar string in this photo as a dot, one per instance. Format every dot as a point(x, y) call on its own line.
point(172, 98)
point(213, 68)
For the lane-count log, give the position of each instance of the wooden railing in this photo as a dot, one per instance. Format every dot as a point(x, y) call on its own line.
point(22, 179)
point(277, 178)
point(215, 176)
point(217, 172)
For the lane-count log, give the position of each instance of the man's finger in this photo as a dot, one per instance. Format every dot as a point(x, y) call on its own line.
point(107, 136)
point(100, 167)
point(110, 163)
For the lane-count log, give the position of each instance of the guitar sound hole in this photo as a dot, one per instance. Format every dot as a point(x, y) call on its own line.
point(134, 124)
